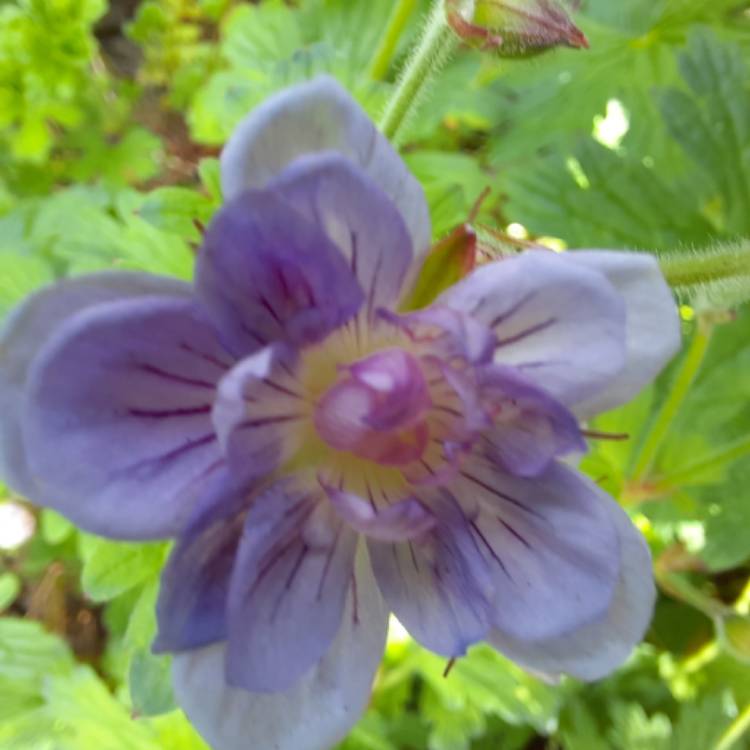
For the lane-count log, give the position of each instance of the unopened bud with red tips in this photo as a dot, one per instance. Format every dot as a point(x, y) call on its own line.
point(514, 28)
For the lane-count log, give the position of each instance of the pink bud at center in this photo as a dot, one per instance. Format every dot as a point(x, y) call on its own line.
point(378, 410)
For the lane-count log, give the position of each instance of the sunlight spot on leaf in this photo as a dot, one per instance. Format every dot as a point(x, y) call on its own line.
point(613, 127)
point(577, 173)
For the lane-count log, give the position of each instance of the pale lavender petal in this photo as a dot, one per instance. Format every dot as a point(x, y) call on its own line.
point(266, 274)
point(31, 325)
point(314, 117)
point(562, 325)
point(551, 543)
point(447, 332)
point(530, 429)
point(194, 590)
point(317, 711)
point(597, 648)
point(289, 586)
point(438, 585)
point(358, 217)
point(653, 323)
point(258, 411)
point(397, 522)
point(118, 419)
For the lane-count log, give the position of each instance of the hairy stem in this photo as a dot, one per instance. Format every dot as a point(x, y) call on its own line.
point(689, 269)
point(435, 48)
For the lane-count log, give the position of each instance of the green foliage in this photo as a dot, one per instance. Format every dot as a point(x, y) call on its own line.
point(50, 703)
point(268, 46)
point(111, 568)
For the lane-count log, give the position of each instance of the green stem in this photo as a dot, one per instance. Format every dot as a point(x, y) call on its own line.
point(691, 269)
point(681, 589)
point(381, 60)
point(677, 395)
point(434, 50)
point(725, 455)
point(735, 730)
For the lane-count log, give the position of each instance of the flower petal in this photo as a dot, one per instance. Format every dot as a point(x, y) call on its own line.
point(317, 711)
point(314, 117)
point(530, 429)
point(402, 520)
point(599, 647)
point(561, 324)
point(266, 273)
point(31, 325)
point(552, 545)
point(118, 423)
point(447, 332)
point(257, 413)
point(194, 590)
point(358, 217)
point(438, 585)
point(653, 323)
point(289, 586)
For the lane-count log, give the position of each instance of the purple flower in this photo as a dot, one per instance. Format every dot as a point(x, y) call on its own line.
point(323, 459)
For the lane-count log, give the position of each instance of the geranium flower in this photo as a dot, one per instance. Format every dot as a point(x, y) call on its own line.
point(323, 459)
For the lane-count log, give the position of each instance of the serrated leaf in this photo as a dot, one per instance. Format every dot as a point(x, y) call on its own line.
point(712, 122)
point(604, 199)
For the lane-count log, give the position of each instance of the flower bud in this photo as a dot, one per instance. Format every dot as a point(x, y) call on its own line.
point(514, 28)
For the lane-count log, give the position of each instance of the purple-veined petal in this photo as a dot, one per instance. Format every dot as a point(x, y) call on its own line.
point(267, 274)
point(258, 411)
point(653, 324)
point(31, 324)
point(358, 217)
point(561, 324)
point(317, 711)
point(289, 586)
point(315, 117)
point(400, 521)
point(599, 647)
point(551, 543)
point(194, 591)
point(438, 585)
point(530, 429)
point(118, 416)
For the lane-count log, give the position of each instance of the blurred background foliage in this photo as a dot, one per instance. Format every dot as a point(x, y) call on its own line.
point(111, 118)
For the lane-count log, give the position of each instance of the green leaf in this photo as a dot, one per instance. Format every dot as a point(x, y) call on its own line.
point(10, 587)
point(110, 568)
point(55, 528)
point(484, 682)
point(177, 210)
point(712, 122)
point(599, 198)
point(28, 656)
point(634, 730)
point(151, 683)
